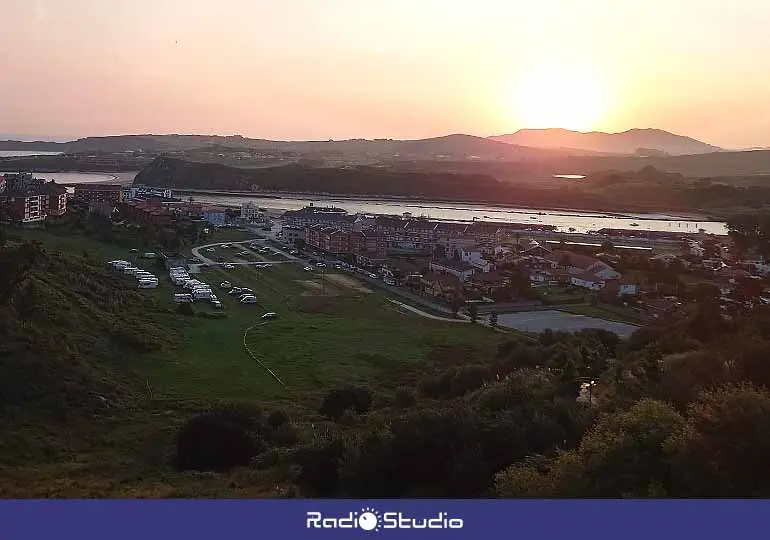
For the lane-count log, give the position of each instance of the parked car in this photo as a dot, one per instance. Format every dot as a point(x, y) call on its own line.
point(148, 284)
point(320, 265)
point(217, 304)
point(269, 315)
point(307, 269)
point(211, 250)
point(389, 281)
point(248, 300)
point(374, 276)
point(293, 252)
point(229, 266)
point(133, 250)
point(226, 285)
point(234, 291)
point(183, 298)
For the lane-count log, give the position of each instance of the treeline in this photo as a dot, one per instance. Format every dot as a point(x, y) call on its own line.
point(647, 189)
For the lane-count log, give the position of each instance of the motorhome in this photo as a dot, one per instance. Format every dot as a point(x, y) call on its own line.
point(148, 284)
point(183, 298)
point(201, 294)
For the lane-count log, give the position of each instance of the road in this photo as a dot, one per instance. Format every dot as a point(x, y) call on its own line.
point(428, 315)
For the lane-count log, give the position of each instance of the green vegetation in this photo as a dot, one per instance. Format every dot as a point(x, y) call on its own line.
point(113, 391)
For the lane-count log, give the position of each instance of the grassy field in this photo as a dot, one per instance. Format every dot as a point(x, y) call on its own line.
point(318, 341)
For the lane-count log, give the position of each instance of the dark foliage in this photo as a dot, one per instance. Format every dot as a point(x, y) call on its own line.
point(340, 400)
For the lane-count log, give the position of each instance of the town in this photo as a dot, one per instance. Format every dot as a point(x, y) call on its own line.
point(482, 268)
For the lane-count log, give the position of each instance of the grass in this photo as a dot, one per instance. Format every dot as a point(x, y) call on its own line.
point(317, 343)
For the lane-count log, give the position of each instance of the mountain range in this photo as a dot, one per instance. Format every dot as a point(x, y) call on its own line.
point(524, 144)
point(642, 142)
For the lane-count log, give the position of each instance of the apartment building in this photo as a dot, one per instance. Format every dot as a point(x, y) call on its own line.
point(92, 193)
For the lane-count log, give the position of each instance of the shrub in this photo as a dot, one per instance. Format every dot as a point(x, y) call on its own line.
point(339, 400)
point(186, 309)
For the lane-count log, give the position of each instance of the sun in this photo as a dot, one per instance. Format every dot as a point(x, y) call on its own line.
point(558, 97)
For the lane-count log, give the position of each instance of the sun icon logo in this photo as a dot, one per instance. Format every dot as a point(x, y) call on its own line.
point(369, 520)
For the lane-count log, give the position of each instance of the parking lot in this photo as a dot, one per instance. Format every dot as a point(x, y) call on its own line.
point(539, 321)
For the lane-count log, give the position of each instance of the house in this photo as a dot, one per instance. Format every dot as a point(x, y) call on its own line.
point(488, 283)
point(578, 264)
point(476, 259)
point(174, 260)
point(460, 269)
point(587, 280)
point(623, 287)
point(214, 216)
point(399, 269)
point(88, 193)
point(541, 276)
point(442, 286)
point(534, 249)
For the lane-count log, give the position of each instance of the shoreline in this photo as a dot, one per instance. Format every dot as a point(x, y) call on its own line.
point(416, 202)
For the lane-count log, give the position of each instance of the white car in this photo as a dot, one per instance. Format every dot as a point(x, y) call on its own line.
point(229, 266)
point(248, 299)
point(307, 269)
point(148, 284)
point(211, 250)
point(269, 315)
point(216, 304)
point(374, 276)
point(320, 265)
point(226, 285)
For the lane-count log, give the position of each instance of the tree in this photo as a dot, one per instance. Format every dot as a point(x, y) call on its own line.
point(608, 246)
point(340, 400)
point(457, 303)
point(473, 312)
point(723, 450)
point(624, 455)
point(493, 319)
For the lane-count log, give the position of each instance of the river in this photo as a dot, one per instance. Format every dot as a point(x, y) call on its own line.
point(26, 153)
point(563, 219)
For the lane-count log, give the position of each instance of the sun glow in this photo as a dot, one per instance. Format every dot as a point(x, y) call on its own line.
point(559, 97)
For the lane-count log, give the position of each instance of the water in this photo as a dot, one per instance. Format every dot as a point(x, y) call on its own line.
point(564, 220)
point(570, 176)
point(76, 177)
point(25, 153)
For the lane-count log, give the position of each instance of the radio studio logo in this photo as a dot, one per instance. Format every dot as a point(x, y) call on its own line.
point(370, 519)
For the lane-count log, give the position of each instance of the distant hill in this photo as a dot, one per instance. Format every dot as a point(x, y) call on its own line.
point(634, 141)
point(447, 147)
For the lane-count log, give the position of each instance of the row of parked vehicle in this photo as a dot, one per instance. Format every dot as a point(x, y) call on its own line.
point(244, 294)
point(145, 279)
point(198, 289)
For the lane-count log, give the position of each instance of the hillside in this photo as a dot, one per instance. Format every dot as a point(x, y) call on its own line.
point(633, 141)
point(297, 178)
point(450, 146)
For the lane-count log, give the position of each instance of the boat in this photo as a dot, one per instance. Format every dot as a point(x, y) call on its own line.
point(634, 224)
point(532, 217)
point(572, 229)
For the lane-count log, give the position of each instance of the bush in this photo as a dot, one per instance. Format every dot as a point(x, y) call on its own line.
point(213, 442)
point(339, 400)
point(277, 418)
point(185, 309)
point(403, 398)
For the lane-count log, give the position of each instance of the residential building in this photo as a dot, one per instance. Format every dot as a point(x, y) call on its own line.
point(578, 264)
point(90, 193)
point(142, 192)
point(214, 216)
point(476, 259)
point(587, 280)
point(24, 207)
point(460, 269)
point(488, 283)
point(443, 286)
point(292, 234)
point(250, 212)
point(622, 287)
point(55, 199)
point(317, 215)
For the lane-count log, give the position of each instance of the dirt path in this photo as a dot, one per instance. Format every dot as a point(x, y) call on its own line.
point(427, 315)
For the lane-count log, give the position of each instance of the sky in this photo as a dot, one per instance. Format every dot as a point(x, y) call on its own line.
point(405, 69)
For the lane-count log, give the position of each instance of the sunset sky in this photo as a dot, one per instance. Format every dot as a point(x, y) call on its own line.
point(320, 69)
